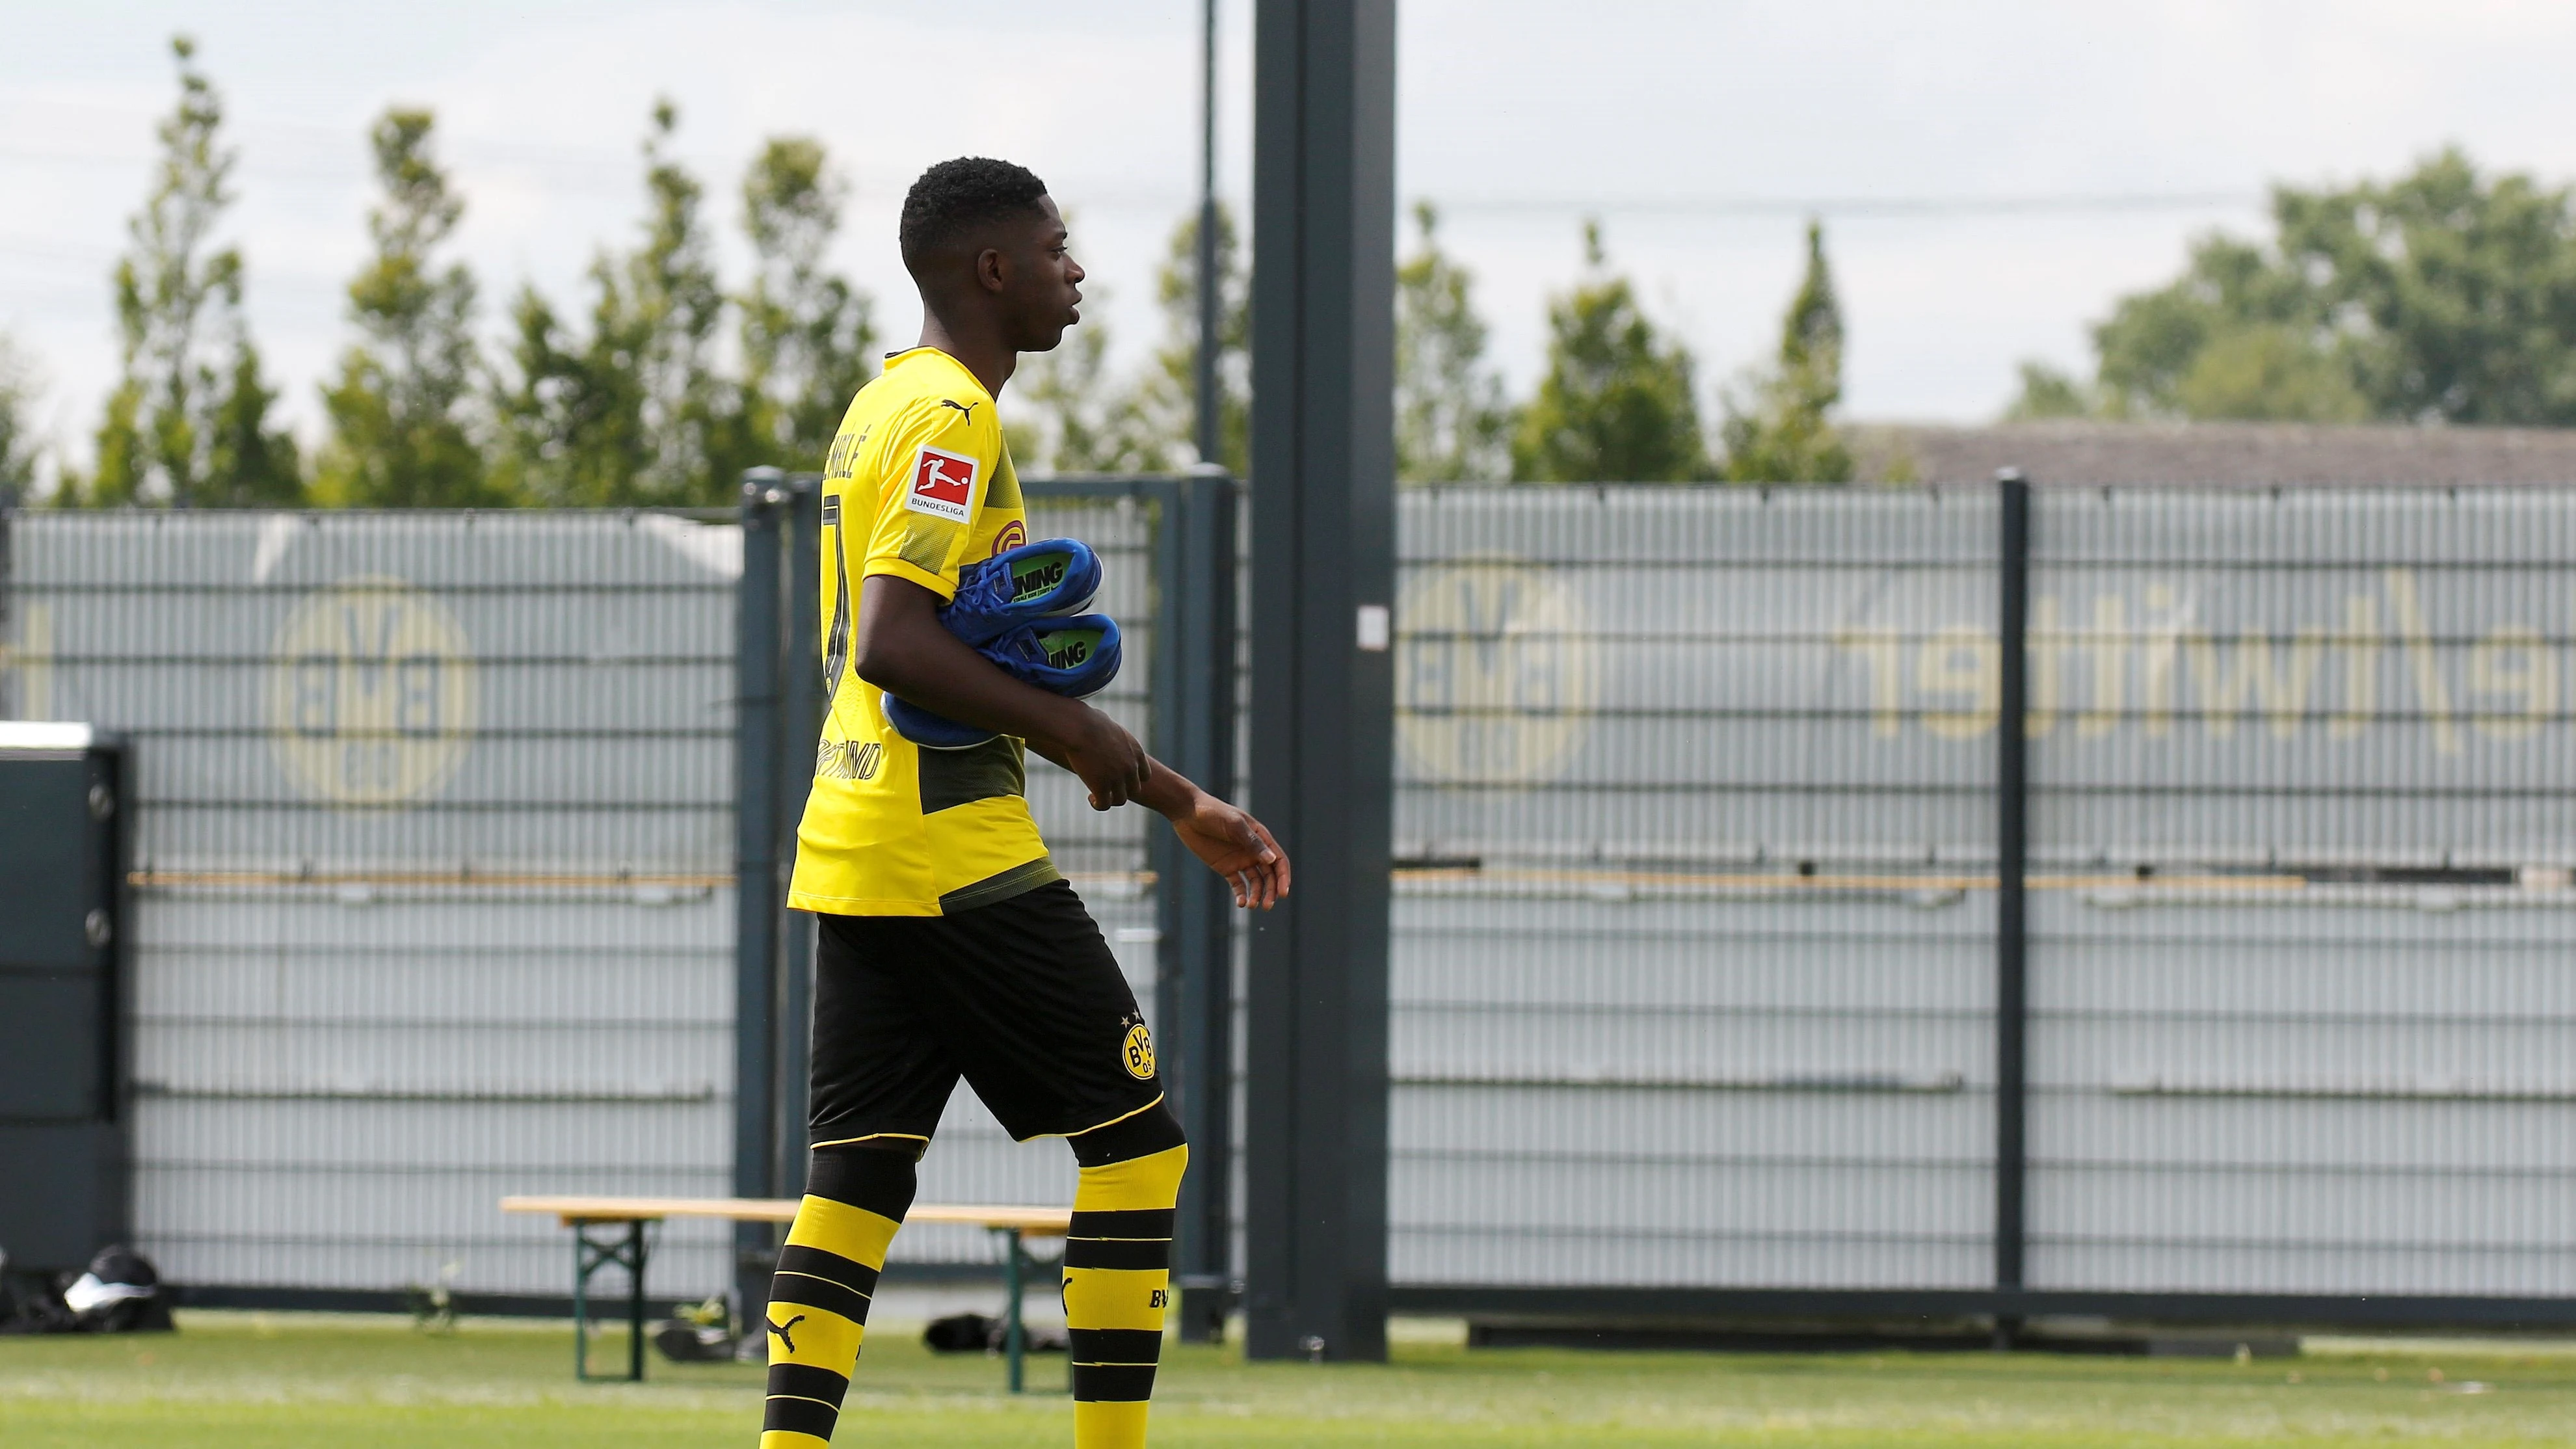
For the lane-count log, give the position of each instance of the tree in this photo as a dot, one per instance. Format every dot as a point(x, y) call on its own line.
point(1080, 422)
point(1782, 432)
point(808, 337)
point(1617, 403)
point(18, 446)
point(2443, 296)
point(1452, 422)
point(1069, 415)
point(401, 432)
point(2049, 392)
point(634, 413)
point(187, 423)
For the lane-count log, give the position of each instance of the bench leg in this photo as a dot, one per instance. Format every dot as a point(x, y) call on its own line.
point(588, 1257)
point(1014, 1287)
point(635, 1301)
point(582, 1267)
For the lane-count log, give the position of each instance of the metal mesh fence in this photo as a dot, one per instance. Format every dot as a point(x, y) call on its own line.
point(1691, 964)
point(434, 873)
point(2303, 1014)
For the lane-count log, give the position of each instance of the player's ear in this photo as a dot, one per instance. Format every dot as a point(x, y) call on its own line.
point(990, 272)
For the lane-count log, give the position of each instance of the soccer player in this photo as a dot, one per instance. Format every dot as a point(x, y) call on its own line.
point(950, 944)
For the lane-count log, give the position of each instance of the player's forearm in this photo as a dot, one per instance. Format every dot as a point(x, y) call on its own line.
point(1167, 792)
point(932, 668)
point(903, 649)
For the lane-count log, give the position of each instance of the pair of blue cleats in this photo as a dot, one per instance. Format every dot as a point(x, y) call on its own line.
point(1022, 609)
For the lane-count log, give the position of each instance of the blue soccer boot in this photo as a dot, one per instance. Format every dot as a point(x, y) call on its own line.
point(1076, 658)
point(1047, 579)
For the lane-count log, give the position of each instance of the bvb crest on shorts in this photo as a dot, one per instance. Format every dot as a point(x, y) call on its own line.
point(1139, 1052)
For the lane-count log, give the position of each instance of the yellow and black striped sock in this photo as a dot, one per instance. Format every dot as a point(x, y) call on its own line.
point(1117, 1272)
point(855, 1198)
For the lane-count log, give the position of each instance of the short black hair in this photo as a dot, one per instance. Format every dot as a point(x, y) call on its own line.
point(955, 198)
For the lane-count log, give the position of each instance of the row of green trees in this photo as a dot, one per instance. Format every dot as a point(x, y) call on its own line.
point(667, 384)
point(2445, 296)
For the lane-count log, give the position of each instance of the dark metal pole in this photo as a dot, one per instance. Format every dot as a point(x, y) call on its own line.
point(1194, 733)
point(1323, 511)
point(1211, 399)
point(800, 728)
point(2012, 851)
point(756, 773)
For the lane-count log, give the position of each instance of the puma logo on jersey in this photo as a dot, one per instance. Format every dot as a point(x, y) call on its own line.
point(967, 408)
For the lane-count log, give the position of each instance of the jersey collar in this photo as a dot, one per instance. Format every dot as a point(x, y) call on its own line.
point(921, 354)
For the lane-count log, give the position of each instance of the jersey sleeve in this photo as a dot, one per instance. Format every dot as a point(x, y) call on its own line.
point(940, 464)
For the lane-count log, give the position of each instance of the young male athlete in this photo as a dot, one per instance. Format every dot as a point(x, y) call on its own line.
point(950, 945)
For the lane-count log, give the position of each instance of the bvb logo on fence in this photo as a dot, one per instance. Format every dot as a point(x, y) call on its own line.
point(371, 693)
point(1494, 679)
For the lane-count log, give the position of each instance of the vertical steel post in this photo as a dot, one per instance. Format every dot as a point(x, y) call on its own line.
point(1209, 384)
point(800, 729)
point(2012, 927)
point(1194, 1000)
point(1323, 510)
point(756, 903)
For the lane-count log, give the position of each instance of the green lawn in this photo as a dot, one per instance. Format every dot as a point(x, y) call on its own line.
point(240, 1381)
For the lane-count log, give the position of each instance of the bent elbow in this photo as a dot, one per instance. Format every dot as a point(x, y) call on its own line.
point(871, 662)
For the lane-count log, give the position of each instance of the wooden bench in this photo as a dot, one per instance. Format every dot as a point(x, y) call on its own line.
point(1014, 1225)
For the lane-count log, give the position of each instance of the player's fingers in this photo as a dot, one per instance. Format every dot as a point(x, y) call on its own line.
point(1278, 861)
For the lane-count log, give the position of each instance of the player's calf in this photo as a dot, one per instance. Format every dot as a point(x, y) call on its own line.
point(1117, 1271)
point(855, 1198)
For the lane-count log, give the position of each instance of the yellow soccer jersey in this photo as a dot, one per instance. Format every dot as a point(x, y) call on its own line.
point(918, 485)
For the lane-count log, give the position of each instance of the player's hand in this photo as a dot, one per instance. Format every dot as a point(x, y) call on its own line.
point(1113, 766)
point(1235, 846)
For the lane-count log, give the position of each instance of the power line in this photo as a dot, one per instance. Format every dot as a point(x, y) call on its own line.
point(2069, 204)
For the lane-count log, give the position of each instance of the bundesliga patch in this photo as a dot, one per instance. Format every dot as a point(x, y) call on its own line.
point(943, 484)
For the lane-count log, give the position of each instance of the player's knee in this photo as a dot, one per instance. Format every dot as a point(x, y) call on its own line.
point(1153, 1130)
point(878, 1175)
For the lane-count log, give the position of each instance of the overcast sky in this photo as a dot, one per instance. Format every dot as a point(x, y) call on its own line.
point(2062, 152)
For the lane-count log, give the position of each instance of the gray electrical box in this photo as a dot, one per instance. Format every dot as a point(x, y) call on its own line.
point(64, 1187)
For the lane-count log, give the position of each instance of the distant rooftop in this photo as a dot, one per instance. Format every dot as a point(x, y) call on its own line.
point(2245, 455)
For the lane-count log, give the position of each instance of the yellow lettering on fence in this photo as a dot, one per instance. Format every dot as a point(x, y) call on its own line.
point(2429, 689)
point(2359, 646)
point(1886, 684)
point(2047, 665)
point(2156, 663)
point(2107, 652)
point(2514, 660)
point(2285, 696)
point(1937, 671)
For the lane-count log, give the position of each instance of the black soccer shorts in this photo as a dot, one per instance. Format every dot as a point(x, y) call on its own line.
point(1022, 998)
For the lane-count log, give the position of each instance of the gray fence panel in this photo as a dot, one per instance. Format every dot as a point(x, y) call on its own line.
point(434, 874)
point(1694, 955)
point(1633, 1045)
point(2302, 1021)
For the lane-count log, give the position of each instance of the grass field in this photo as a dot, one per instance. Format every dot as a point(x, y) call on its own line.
point(241, 1381)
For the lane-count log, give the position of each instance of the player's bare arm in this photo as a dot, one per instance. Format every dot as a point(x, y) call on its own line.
point(904, 649)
